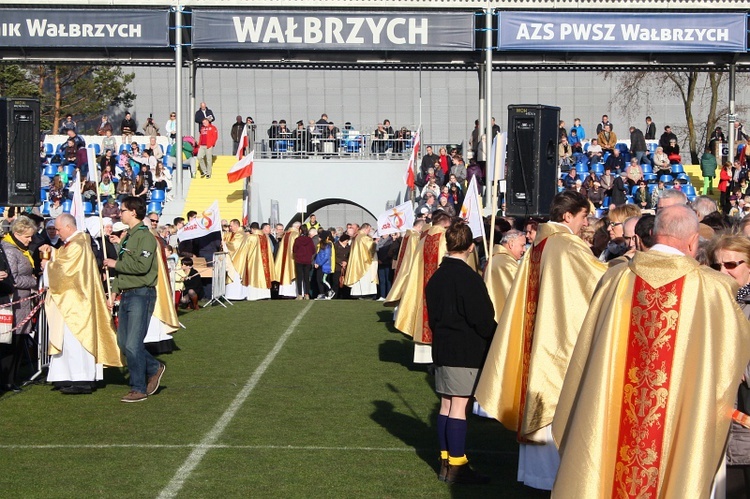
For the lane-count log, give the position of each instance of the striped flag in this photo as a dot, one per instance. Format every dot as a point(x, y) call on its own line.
point(242, 169)
point(76, 209)
point(242, 144)
point(409, 176)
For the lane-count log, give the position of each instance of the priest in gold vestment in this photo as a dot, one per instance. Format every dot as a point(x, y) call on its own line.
point(502, 271)
point(235, 243)
point(403, 263)
point(537, 331)
point(647, 401)
point(81, 335)
point(164, 320)
point(284, 262)
point(362, 268)
point(261, 271)
point(412, 318)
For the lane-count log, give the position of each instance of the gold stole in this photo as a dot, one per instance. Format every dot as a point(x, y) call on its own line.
point(431, 264)
point(648, 367)
point(264, 257)
point(532, 302)
point(401, 251)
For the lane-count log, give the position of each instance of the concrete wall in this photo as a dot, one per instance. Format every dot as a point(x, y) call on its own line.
point(447, 102)
point(367, 184)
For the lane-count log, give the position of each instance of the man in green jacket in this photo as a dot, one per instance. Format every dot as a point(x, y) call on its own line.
point(136, 270)
point(708, 170)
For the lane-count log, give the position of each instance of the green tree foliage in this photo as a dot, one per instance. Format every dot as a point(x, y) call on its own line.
point(16, 81)
point(86, 92)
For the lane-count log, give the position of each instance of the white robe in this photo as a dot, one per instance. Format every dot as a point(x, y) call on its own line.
point(368, 285)
point(157, 331)
point(74, 363)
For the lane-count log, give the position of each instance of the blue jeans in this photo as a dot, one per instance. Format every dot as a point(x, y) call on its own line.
point(136, 308)
point(384, 280)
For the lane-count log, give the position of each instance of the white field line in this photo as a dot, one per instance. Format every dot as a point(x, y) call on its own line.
point(237, 447)
point(196, 456)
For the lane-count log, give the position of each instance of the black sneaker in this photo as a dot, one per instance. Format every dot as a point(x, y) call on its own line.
point(443, 473)
point(465, 475)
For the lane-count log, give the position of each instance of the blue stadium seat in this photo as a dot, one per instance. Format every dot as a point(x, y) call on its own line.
point(49, 149)
point(153, 207)
point(50, 171)
point(678, 169)
point(652, 188)
point(582, 168)
point(96, 147)
point(598, 168)
point(645, 168)
point(689, 190)
point(634, 190)
point(67, 204)
point(683, 178)
point(88, 208)
point(606, 202)
point(44, 194)
point(70, 169)
point(600, 212)
point(45, 209)
point(667, 179)
point(650, 178)
point(158, 196)
point(652, 146)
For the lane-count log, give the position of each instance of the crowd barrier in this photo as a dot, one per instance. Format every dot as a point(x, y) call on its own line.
point(219, 280)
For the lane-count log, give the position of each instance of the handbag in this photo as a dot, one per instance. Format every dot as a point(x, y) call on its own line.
point(6, 325)
point(341, 278)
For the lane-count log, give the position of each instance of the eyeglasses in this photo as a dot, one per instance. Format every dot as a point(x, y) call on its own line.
point(614, 224)
point(154, 221)
point(123, 210)
point(224, 226)
point(727, 265)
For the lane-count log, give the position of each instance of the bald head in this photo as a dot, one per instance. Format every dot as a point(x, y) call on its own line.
point(65, 224)
point(677, 226)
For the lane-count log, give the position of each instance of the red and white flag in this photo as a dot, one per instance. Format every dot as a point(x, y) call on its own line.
point(76, 209)
point(410, 168)
point(242, 144)
point(242, 169)
point(471, 210)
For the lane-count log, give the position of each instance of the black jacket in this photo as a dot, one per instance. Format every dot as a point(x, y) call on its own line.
point(460, 314)
point(637, 141)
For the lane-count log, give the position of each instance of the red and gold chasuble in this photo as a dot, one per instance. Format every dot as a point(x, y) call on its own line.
point(431, 264)
point(401, 251)
point(265, 258)
point(532, 302)
point(648, 369)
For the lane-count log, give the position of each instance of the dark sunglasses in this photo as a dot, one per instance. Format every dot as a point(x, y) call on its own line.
point(727, 265)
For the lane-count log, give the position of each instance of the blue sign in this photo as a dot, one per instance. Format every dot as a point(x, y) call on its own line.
point(622, 32)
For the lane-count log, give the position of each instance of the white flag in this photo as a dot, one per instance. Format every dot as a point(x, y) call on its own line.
point(396, 219)
point(471, 211)
point(242, 144)
point(91, 159)
point(76, 209)
point(205, 223)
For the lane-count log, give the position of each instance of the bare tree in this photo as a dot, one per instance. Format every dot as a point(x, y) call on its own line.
point(701, 94)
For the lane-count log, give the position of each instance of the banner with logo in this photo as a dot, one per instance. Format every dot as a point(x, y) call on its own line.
point(90, 28)
point(654, 32)
point(396, 220)
point(362, 31)
point(205, 223)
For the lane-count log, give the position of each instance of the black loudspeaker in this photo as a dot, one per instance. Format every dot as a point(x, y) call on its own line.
point(532, 159)
point(20, 174)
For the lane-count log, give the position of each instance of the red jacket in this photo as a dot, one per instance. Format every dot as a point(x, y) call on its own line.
point(724, 178)
point(209, 134)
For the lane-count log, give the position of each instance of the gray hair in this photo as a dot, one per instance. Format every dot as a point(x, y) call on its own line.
point(704, 205)
point(511, 235)
point(678, 222)
point(297, 225)
point(23, 224)
point(674, 194)
point(67, 220)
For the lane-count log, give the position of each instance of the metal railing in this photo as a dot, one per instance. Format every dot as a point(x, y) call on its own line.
point(281, 143)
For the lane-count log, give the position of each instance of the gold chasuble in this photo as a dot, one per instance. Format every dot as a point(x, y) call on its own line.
point(164, 309)
point(284, 263)
point(412, 315)
point(76, 299)
point(236, 244)
point(523, 374)
point(260, 266)
point(403, 266)
point(503, 272)
point(360, 259)
point(648, 398)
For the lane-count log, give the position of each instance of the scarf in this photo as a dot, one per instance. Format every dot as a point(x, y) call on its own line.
point(8, 238)
point(743, 293)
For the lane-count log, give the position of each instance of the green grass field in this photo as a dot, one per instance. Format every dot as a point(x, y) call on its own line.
point(340, 411)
